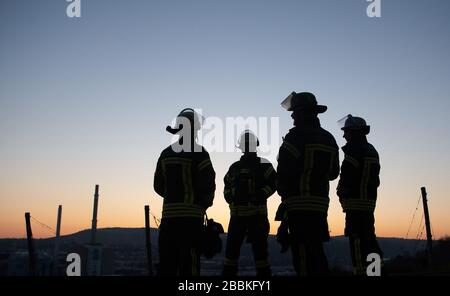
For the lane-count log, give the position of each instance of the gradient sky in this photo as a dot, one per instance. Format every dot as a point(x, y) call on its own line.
point(86, 101)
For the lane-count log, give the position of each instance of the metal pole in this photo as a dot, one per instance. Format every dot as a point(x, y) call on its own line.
point(148, 240)
point(94, 217)
point(427, 223)
point(58, 233)
point(31, 255)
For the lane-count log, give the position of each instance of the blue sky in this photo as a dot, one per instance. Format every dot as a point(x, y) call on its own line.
point(85, 101)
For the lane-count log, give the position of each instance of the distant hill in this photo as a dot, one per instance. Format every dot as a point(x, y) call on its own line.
point(337, 249)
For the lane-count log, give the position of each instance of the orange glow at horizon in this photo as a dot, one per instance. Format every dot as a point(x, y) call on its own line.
point(124, 207)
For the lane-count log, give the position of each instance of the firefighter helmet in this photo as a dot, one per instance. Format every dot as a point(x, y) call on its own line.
point(195, 121)
point(248, 141)
point(305, 101)
point(350, 122)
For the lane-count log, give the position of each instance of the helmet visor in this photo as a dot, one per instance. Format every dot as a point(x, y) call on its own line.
point(287, 103)
point(342, 122)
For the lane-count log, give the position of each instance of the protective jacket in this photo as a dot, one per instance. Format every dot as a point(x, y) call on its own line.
point(248, 184)
point(359, 180)
point(186, 181)
point(308, 160)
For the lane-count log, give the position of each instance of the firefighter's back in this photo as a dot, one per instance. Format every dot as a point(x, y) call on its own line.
point(186, 181)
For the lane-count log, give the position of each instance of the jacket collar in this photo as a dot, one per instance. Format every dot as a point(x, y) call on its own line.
point(301, 125)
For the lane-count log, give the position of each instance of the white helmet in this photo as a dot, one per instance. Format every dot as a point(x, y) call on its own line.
point(350, 122)
point(248, 141)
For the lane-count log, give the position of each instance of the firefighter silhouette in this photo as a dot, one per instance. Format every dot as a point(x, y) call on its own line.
point(248, 184)
point(185, 178)
point(357, 191)
point(308, 159)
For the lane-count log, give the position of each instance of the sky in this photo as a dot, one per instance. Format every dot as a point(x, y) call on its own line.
point(85, 101)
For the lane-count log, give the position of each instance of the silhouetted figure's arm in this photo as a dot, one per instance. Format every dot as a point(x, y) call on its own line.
point(372, 163)
point(334, 173)
point(228, 181)
point(268, 181)
point(158, 181)
point(349, 172)
point(287, 168)
point(207, 181)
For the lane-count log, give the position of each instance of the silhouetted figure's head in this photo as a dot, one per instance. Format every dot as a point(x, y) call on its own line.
point(355, 129)
point(187, 125)
point(304, 108)
point(248, 142)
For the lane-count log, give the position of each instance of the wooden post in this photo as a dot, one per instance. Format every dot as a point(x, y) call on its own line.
point(427, 223)
point(148, 240)
point(31, 255)
point(58, 233)
point(94, 217)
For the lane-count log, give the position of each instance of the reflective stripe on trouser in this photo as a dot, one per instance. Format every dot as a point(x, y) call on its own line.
point(263, 268)
point(307, 203)
point(230, 267)
point(194, 259)
point(182, 210)
point(302, 260)
point(358, 267)
point(309, 259)
point(230, 262)
point(262, 263)
point(360, 248)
